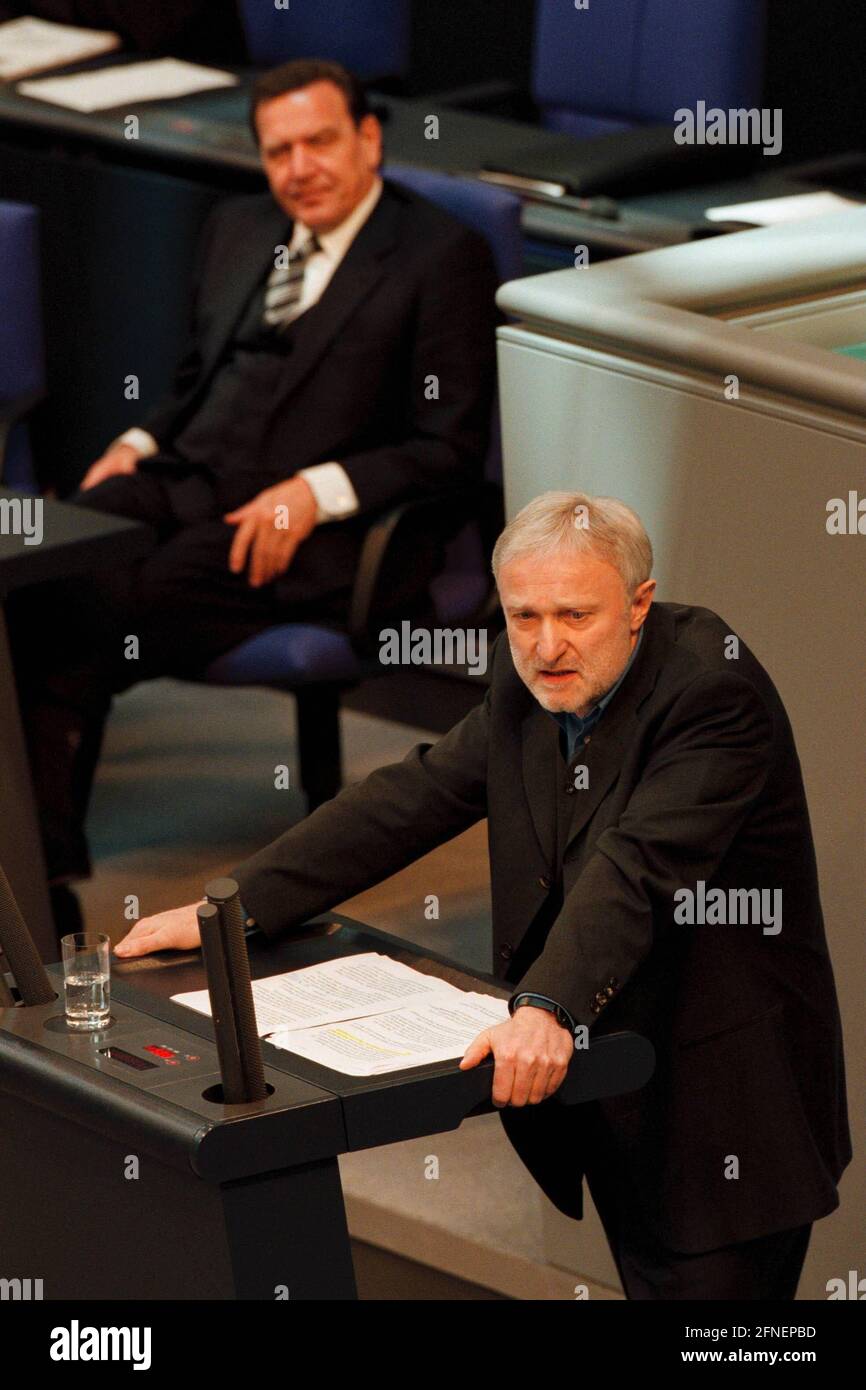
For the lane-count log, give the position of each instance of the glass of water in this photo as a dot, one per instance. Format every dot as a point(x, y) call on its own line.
point(86, 967)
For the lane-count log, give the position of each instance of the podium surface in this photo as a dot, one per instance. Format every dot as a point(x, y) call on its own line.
point(124, 1176)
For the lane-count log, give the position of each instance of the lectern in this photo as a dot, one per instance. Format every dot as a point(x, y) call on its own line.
point(124, 1176)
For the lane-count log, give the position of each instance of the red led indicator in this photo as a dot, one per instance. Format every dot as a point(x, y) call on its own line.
point(161, 1051)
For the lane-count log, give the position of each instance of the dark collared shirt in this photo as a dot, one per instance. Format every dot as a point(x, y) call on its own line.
point(576, 730)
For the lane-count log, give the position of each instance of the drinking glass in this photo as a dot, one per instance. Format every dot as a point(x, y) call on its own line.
point(86, 973)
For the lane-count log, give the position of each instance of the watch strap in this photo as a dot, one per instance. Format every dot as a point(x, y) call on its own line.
point(541, 1001)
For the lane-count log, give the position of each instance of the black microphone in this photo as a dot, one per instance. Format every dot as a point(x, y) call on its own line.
point(232, 973)
point(222, 1012)
point(19, 948)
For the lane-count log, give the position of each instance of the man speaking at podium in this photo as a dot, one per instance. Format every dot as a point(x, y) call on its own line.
point(652, 869)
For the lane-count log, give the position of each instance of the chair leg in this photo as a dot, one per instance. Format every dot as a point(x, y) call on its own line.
point(319, 745)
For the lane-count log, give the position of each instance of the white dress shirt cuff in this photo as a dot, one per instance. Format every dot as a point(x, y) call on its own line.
point(143, 443)
point(334, 494)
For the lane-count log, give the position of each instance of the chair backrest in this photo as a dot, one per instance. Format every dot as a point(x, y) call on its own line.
point(461, 587)
point(493, 212)
point(370, 37)
point(22, 359)
point(614, 65)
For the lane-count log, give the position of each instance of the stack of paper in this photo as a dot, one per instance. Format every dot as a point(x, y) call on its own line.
point(433, 1032)
point(366, 1014)
point(793, 207)
point(127, 84)
point(34, 45)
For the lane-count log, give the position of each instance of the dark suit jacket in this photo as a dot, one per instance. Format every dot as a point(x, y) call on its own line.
point(693, 775)
point(413, 297)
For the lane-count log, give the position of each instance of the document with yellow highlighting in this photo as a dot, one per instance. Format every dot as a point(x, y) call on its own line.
point(408, 1037)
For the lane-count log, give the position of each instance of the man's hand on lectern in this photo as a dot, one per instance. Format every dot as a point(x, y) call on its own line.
point(531, 1051)
point(175, 930)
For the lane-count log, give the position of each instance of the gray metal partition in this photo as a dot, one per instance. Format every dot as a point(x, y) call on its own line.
point(730, 439)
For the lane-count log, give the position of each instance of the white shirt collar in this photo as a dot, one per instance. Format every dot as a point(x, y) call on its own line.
point(337, 241)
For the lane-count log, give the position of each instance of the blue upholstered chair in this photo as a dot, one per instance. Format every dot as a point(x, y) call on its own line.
point(371, 37)
point(22, 378)
point(614, 66)
point(316, 664)
point(313, 663)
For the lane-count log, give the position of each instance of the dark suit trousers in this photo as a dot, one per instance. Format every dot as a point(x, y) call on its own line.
point(765, 1269)
point(182, 604)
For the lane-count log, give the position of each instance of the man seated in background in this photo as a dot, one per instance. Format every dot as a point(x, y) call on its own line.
point(341, 361)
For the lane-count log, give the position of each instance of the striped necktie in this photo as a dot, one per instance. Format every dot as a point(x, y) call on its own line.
point(285, 284)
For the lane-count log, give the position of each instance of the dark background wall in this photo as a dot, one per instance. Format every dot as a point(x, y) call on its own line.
point(455, 42)
point(816, 73)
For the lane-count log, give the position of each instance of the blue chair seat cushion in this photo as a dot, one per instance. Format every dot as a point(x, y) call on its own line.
point(290, 655)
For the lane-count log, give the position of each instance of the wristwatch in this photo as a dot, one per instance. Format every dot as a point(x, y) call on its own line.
point(540, 1002)
point(250, 924)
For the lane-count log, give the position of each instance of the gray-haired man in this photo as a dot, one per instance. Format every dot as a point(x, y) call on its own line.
point(624, 761)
